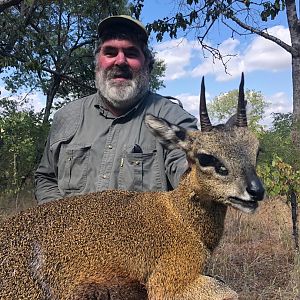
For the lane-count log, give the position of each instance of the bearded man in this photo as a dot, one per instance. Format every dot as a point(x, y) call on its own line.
point(101, 142)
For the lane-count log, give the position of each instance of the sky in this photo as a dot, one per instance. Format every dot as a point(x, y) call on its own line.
point(267, 67)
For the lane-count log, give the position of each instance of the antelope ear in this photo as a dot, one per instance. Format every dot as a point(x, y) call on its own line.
point(171, 136)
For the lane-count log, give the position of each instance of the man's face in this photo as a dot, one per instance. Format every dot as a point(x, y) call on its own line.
point(121, 74)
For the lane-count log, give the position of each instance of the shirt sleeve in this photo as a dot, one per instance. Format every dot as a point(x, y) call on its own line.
point(46, 185)
point(46, 176)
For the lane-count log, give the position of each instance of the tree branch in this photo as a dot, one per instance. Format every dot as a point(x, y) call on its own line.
point(265, 35)
point(4, 4)
point(71, 79)
point(30, 12)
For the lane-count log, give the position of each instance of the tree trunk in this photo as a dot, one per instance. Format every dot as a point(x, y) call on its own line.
point(294, 28)
point(53, 88)
point(296, 106)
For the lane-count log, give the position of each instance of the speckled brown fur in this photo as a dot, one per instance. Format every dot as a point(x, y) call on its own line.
point(82, 246)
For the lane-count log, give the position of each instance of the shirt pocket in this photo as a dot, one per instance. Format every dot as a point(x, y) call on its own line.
point(74, 172)
point(139, 171)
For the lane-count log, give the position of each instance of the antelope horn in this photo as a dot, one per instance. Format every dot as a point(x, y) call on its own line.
point(204, 119)
point(241, 117)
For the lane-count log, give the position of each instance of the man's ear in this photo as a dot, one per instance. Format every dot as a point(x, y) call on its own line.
point(170, 135)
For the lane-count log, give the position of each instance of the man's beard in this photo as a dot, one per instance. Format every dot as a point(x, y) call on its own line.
point(122, 95)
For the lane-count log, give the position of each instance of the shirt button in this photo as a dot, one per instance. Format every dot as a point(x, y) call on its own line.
point(110, 147)
point(104, 176)
point(137, 162)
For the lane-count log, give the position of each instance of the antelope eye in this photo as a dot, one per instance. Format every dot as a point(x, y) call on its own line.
point(206, 160)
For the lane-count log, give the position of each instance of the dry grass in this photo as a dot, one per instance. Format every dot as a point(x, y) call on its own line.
point(256, 256)
point(16, 201)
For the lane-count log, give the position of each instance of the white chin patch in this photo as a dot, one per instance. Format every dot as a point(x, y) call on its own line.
point(243, 202)
point(245, 209)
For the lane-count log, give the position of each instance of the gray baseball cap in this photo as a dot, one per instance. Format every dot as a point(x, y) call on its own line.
point(123, 20)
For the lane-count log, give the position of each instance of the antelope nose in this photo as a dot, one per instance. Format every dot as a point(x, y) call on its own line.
point(256, 190)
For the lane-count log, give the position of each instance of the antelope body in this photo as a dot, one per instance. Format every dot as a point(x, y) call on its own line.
point(78, 247)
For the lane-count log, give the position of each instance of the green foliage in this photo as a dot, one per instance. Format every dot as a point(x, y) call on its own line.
point(156, 75)
point(271, 10)
point(223, 107)
point(278, 159)
point(277, 140)
point(279, 177)
point(136, 8)
point(21, 135)
point(199, 16)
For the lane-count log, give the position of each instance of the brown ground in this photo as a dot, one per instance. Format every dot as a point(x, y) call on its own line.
point(256, 256)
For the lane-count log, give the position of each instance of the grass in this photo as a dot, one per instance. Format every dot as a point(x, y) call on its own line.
point(11, 202)
point(256, 255)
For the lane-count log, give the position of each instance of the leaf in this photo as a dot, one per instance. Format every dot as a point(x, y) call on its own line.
point(264, 16)
point(247, 3)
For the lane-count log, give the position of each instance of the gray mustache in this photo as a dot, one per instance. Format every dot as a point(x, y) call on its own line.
point(125, 72)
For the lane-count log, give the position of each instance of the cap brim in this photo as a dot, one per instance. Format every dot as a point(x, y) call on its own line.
point(127, 21)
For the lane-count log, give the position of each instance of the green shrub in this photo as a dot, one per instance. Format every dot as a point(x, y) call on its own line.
point(279, 177)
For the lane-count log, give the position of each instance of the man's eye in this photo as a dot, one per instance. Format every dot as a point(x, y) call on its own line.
point(110, 53)
point(132, 54)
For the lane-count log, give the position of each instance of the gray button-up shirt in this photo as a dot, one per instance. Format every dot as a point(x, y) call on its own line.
point(89, 149)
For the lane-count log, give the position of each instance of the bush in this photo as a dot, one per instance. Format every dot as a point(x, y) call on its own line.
point(279, 177)
point(22, 136)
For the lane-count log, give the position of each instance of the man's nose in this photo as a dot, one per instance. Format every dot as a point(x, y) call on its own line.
point(121, 58)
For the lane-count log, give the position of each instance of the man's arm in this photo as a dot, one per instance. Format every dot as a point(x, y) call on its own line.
point(64, 125)
point(46, 187)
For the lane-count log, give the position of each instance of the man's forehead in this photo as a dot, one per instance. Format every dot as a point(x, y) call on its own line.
point(121, 43)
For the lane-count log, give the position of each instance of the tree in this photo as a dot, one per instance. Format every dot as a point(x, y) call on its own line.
point(48, 46)
point(240, 17)
point(223, 107)
point(277, 140)
point(157, 74)
point(21, 130)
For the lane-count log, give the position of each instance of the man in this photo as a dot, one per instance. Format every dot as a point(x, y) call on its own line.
point(101, 142)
